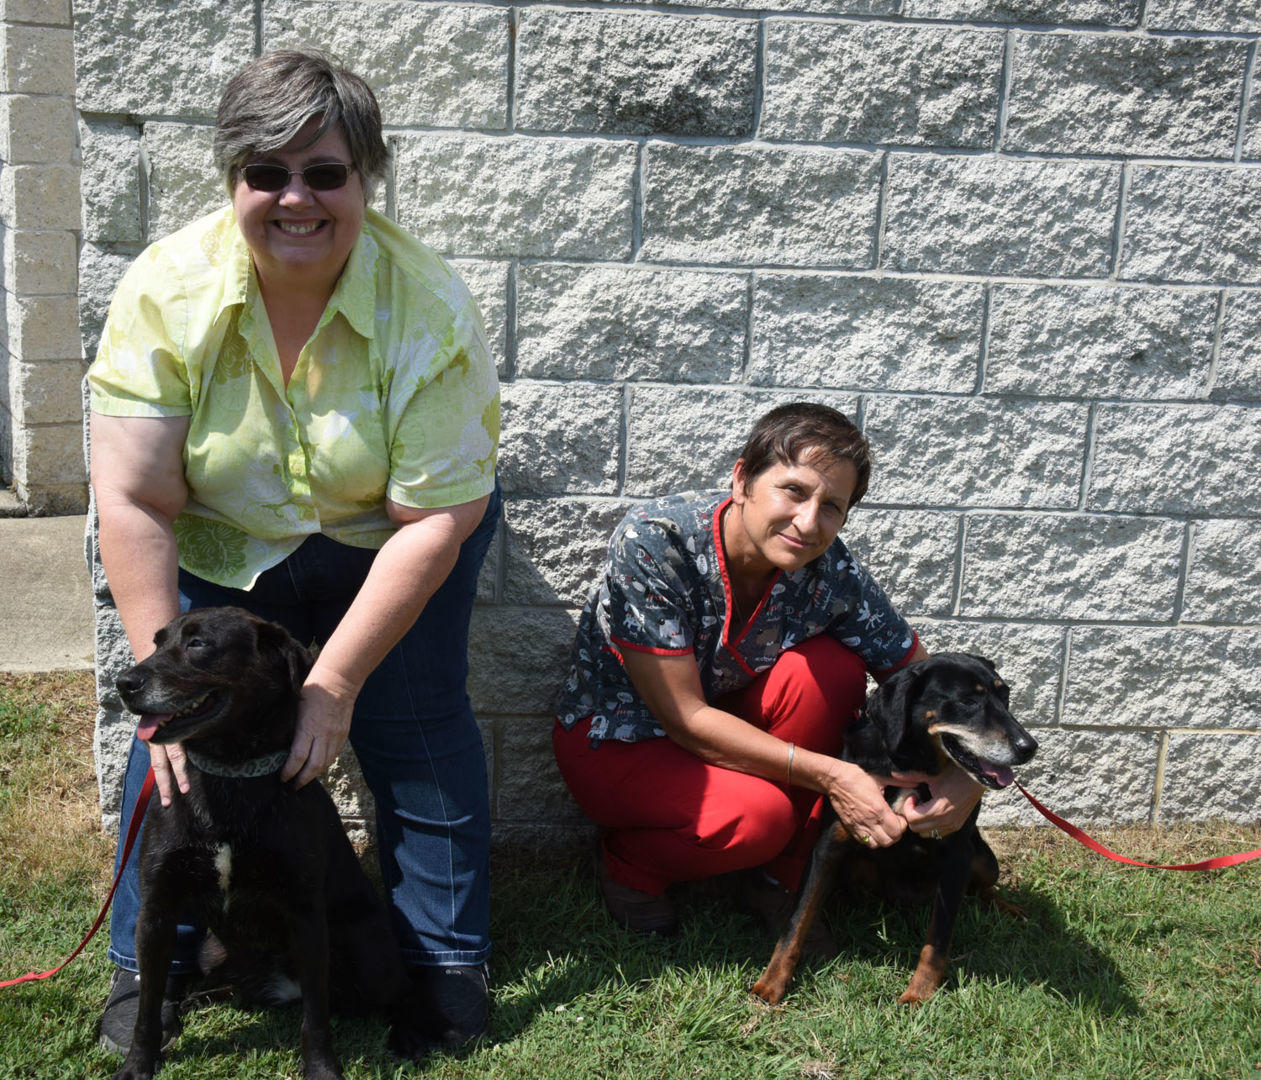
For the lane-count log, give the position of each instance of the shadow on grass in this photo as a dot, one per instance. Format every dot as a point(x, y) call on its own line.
point(554, 943)
point(556, 949)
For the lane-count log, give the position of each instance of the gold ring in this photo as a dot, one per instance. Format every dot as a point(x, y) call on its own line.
point(864, 839)
point(934, 835)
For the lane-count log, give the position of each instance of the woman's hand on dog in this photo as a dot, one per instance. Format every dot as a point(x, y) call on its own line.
point(954, 794)
point(859, 801)
point(324, 715)
point(169, 769)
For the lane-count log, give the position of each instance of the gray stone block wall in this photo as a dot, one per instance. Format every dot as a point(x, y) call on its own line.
point(41, 358)
point(1018, 240)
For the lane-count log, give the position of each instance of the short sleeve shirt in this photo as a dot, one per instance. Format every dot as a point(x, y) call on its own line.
point(665, 590)
point(395, 395)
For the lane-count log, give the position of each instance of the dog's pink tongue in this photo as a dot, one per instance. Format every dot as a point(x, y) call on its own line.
point(1002, 774)
point(149, 724)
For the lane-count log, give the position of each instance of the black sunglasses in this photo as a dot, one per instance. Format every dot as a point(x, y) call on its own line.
point(322, 176)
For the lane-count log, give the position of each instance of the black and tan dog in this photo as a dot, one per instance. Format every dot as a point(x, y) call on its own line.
point(950, 708)
point(267, 868)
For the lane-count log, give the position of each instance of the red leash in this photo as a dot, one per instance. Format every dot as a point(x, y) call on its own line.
point(133, 829)
point(1094, 845)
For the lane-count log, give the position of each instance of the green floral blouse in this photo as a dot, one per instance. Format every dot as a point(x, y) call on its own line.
point(395, 395)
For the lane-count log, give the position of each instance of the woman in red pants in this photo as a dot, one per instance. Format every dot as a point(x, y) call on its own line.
point(717, 663)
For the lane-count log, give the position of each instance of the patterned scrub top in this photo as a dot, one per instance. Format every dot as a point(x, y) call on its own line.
point(665, 591)
point(395, 395)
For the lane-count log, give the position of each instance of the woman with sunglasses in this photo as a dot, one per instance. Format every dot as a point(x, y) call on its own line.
point(294, 410)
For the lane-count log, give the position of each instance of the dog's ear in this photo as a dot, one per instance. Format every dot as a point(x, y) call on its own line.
point(983, 660)
point(889, 707)
point(295, 658)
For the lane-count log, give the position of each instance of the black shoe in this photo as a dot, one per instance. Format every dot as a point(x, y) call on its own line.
point(640, 912)
point(457, 997)
point(118, 1020)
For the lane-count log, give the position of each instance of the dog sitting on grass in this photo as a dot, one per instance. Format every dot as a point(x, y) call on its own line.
point(267, 868)
point(948, 709)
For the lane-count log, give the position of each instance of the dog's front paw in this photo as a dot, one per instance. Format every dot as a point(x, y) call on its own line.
point(769, 990)
point(136, 1067)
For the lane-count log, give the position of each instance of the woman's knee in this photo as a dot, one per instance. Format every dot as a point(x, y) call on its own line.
point(759, 824)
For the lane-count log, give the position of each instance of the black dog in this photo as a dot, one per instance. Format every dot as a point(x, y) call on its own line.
point(266, 867)
point(949, 708)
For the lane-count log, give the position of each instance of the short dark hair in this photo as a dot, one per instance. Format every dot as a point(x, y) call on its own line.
point(804, 432)
point(266, 103)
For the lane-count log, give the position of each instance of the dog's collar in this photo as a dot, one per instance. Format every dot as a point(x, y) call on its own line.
point(259, 766)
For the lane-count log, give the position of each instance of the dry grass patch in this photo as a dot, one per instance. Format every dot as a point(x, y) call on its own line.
point(49, 813)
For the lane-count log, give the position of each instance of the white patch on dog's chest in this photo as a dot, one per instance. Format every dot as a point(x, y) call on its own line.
point(223, 866)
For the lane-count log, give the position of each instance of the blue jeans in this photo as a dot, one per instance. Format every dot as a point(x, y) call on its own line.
point(414, 734)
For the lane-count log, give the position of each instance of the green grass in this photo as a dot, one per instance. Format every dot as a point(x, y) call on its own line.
point(1118, 972)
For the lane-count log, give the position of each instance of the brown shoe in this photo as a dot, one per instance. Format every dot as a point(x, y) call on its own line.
point(640, 912)
point(773, 905)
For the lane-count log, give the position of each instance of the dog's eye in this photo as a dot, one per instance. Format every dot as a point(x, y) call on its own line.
point(196, 643)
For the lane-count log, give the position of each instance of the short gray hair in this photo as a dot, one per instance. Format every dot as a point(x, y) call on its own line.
point(266, 103)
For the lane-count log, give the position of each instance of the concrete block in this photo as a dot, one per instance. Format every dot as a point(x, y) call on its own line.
point(634, 74)
point(1122, 13)
point(556, 547)
point(1099, 777)
point(1099, 341)
point(43, 327)
point(865, 333)
point(1169, 97)
point(1029, 657)
point(46, 392)
point(560, 438)
point(183, 182)
point(1176, 459)
point(1252, 127)
point(533, 197)
point(1065, 567)
point(37, 129)
point(100, 270)
point(911, 553)
point(881, 83)
point(1239, 350)
point(1211, 776)
point(951, 451)
point(441, 65)
point(1163, 677)
point(518, 657)
point(712, 424)
point(40, 196)
point(51, 455)
point(37, 60)
point(137, 57)
point(39, 263)
point(111, 182)
point(488, 282)
point(816, 7)
point(1222, 16)
point(529, 785)
point(608, 322)
point(51, 12)
point(1223, 573)
point(1192, 224)
point(742, 205)
point(1000, 215)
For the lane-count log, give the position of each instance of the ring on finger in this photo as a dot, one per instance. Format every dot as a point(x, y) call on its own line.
point(934, 834)
point(865, 840)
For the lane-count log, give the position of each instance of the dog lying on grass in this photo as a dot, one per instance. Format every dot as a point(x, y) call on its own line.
point(949, 708)
point(267, 868)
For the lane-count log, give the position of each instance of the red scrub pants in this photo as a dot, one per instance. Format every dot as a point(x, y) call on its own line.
point(668, 816)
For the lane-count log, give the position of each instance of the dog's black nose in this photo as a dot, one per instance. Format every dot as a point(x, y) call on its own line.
point(130, 681)
point(1024, 746)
